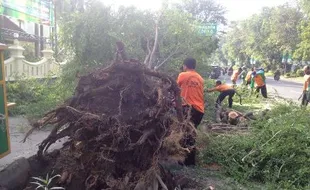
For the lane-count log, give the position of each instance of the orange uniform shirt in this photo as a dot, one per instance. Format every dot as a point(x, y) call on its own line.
point(248, 76)
point(234, 76)
point(191, 84)
point(223, 87)
point(259, 80)
point(306, 82)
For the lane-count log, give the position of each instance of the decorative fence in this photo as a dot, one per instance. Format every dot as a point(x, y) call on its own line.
point(16, 66)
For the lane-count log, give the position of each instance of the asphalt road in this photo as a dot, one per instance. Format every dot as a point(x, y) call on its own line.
point(283, 88)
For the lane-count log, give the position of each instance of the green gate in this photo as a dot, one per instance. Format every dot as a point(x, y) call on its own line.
point(4, 127)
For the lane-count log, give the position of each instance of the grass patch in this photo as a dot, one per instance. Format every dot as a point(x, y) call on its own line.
point(275, 152)
point(269, 74)
point(298, 79)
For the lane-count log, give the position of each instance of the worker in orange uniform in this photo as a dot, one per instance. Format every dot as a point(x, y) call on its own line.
point(306, 88)
point(225, 90)
point(235, 76)
point(248, 77)
point(191, 84)
point(258, 80)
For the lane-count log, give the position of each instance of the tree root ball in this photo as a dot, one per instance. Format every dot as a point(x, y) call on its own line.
point(121, 123)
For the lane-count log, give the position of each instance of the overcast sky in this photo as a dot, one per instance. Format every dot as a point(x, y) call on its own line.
point(241, 9)
point(236, 9)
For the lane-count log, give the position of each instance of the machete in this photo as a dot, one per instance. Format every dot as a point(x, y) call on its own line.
point(301, 96)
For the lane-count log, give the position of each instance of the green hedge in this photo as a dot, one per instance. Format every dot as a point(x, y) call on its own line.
point(34, 97)
point(300, 73)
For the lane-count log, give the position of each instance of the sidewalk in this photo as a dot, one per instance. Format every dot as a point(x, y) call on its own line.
point(18, 127)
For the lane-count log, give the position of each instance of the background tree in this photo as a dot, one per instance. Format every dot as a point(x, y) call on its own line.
point(264, 36)
point(160, 39)
point(303, 48)
point(234, 44)
point(206, 11)
point(71, 6)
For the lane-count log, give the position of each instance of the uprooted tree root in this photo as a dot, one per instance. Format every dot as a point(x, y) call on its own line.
point(121, 123)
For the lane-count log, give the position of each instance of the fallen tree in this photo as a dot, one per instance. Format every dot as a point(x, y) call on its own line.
point(121, 122)
point(229, 120)
point(232, 117)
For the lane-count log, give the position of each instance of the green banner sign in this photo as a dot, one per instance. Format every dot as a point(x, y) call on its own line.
point(37, 11)
point(4, 128)
point(209, 29)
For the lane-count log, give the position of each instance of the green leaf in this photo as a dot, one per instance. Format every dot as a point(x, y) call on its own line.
point(38, 185)
point(51, 179)
point(40, 179)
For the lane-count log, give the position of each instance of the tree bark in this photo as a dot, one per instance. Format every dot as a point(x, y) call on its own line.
point(152, 56)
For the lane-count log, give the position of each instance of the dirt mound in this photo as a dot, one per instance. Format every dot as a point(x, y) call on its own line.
point(121, 122)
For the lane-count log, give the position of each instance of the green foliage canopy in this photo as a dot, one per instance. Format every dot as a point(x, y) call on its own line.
point(171, 34)
point(265, 36)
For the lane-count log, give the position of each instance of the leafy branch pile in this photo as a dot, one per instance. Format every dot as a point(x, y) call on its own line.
point(121, 123)
point(276, 151)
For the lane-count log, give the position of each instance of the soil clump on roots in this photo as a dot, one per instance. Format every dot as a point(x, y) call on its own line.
point(122, 122)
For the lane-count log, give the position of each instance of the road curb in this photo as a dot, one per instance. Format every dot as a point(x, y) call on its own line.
point(16, 175)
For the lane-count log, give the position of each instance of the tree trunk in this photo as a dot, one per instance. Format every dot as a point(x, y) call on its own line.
point(152, 56)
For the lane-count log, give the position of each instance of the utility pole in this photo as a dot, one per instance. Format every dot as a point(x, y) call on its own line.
point(1, 26)
point(55, 29)
point(41, 37)
point(37, 42)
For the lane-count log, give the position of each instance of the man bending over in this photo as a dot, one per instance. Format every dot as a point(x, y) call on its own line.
point(225, 90)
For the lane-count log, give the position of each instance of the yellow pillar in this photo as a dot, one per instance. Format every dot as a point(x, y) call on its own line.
point(5, 148)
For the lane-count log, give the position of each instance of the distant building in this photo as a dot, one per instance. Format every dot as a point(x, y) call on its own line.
point(27, 20)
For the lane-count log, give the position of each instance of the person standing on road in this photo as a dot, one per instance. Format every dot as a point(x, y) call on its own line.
point(248, 77)
point(276, 75)
point(243, 75)
point(259, 80)
point(235, 76)
point(225, 90)
point(192, 84)
point(306, 88)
